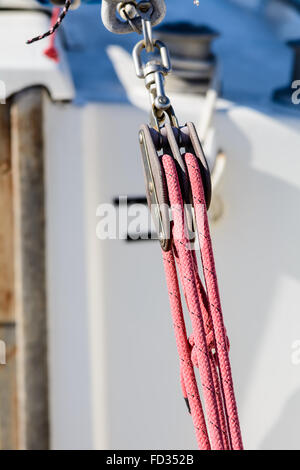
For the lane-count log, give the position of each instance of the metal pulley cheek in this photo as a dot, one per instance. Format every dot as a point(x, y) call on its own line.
point(115, 25)
point(171, 140)
point(156, 191)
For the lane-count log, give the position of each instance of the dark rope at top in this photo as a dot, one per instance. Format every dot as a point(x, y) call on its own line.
point(56, 25)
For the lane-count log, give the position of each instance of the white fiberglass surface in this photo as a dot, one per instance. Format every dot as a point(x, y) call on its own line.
point(118, 386)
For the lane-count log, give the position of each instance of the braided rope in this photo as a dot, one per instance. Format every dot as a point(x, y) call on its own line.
point(189, 383)
point(55, 26)
point(187, 277)
point(201, 350)
point(210, 338)
point(213, 296)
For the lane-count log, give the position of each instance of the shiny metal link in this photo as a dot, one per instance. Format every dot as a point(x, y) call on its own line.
point(111, 21)
point(155, 69)
point(144, 11)
point(154, 72)
point(140, 68)
point(147, 33)
point(127, 14)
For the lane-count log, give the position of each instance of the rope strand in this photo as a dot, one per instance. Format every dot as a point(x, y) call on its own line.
point(207, 347)
point(213, 296)
point(187, 277)
point(56, 25)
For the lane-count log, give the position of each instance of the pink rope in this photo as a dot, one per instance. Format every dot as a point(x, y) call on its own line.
point(189, 383)
point(214, 300)
point(207, 347)
point(210, 337)
point(51, 50)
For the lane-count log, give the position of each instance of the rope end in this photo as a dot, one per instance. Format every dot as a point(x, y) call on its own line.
point(52, 53)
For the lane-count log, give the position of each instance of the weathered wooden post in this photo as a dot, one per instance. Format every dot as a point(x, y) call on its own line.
point(23, 319)
point(8, 388)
